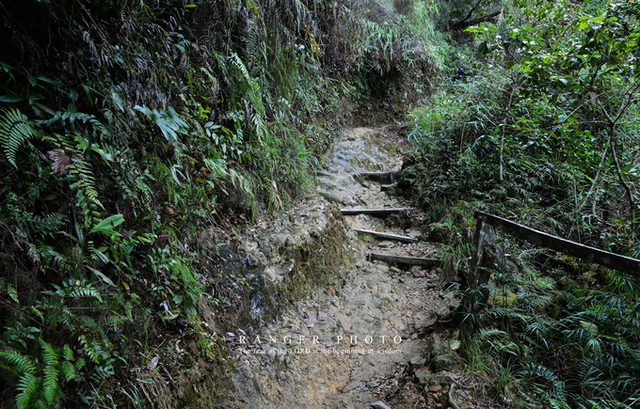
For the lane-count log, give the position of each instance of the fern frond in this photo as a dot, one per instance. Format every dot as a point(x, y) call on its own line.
point(65, 117)
point(28, 386)
point(37, 313)
point(50, 385)
point(68, 370)
point(47, 223)
point(235, 60)
point(15, 128)
point(85, 183)
point(22, 363)
point(80, 363)
point(48, 354)
point(10, 289)
point(486, 333)
point(90, 348)
point(49, 254)
point(549, 375)
point(67, 353)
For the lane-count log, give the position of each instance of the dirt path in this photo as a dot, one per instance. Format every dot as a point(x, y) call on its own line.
point(361, 339)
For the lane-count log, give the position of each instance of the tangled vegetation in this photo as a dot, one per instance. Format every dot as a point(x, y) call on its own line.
point(129, 127)
point(543, 130)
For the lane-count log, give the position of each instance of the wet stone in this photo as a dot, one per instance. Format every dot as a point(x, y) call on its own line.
point(424, 377)
point(386, 244)
point(380, 405)
point(435, 388)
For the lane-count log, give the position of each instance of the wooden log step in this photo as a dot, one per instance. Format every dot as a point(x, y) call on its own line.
point(385, 188)
point(416, 261)
point(388, 235)
point(375, 211)
point(381, 177)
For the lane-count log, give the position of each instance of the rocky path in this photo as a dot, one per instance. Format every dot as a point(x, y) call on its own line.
point(361, 341)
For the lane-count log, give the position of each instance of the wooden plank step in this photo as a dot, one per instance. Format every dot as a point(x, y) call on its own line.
point(388, 235)
point(416, 261)
point(375, 211)
point(385, 188)
point(381, 177)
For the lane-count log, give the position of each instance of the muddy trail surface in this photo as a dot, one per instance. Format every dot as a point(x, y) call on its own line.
point(365, 339)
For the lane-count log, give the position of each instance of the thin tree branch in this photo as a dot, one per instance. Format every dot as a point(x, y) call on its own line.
point(595, 180)
point(504, 121)
point(461, 25)
point(612, 130)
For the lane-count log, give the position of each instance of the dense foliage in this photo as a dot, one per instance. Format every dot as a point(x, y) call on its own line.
point(129, 127)
point(544, 131)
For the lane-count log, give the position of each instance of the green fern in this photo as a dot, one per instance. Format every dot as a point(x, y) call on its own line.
point(169, 122)
point(548, 375)
point(10, 289)
point(51, 373)
point(40, 384)
point(15, 128)
point(78, 288)
point(27, 383)
point(71, 117)
point(68, 370)
point(21, 362)
point(85, 187)
point(27, 386)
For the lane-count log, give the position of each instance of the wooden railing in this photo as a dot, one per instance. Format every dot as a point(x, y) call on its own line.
point(591, 254)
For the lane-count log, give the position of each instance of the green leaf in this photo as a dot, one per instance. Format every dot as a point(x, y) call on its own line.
point(598, 19)
point(101, 276)
point(103, 257)
point(107, 225)
point(87, 92)
point(11, 98)
point(589, 327)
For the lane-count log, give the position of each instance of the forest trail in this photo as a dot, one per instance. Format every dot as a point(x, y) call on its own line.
point(363, 339)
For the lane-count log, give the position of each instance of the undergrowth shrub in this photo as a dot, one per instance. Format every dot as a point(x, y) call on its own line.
point(566, 332)
point(542, 133)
